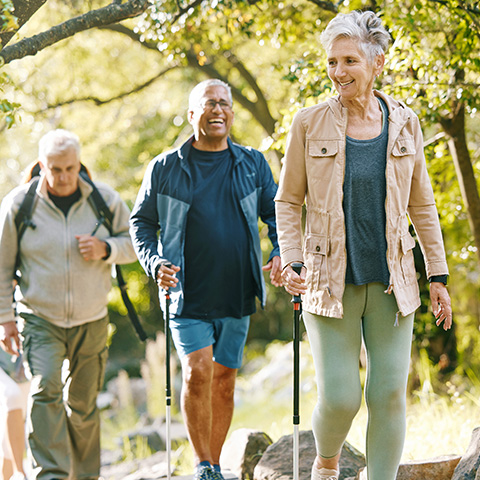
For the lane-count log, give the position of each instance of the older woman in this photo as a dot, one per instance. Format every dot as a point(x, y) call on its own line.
point(357, 162)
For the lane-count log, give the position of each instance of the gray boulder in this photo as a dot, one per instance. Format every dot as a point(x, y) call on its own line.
point(243, 450)
point(438, 468)
point(468, 467)
point(277, 461)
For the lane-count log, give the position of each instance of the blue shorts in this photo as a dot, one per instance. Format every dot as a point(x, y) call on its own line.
point(227, 335)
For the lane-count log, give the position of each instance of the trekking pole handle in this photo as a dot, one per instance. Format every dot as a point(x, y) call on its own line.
point(168, 265)
point(297, 268)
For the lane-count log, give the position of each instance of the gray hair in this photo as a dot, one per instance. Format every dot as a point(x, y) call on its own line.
point(200, 88)
point(58, 141)
point(366, 27)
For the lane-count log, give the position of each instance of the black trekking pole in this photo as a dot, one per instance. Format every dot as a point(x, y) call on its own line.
point(168, 392)
point(297, 311)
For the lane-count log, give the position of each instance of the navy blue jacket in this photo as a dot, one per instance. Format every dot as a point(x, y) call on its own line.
point(164, 200)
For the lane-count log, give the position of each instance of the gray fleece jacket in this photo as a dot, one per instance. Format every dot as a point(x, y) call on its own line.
point(56, 283)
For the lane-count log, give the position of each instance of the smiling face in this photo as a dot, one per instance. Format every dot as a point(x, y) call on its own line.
point(350, 69)
point(212, 118)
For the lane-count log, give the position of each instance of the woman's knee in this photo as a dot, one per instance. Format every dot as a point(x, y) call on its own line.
point(340, 405)
point(388, 400)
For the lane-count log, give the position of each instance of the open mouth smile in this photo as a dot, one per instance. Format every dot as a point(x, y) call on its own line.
point(216, 121)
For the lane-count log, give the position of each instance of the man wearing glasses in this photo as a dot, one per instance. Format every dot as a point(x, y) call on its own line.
point(205, 199)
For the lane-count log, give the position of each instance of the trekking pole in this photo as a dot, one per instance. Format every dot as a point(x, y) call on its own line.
point(168, 392)
point(297, 311)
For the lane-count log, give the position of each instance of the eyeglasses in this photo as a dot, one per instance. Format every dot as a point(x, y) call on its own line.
point(211, 104)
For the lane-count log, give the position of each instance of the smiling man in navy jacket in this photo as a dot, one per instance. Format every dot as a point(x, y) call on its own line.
point(205, 199)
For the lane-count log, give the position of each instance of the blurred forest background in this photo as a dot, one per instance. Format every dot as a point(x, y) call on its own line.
point(119, 74)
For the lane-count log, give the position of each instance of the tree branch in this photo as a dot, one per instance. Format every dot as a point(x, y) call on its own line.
point(23, 10)
point(99, 101)
point(115, 12)
point(182, 11)
point(325, 5)
point(131, 34)
point(261, 104)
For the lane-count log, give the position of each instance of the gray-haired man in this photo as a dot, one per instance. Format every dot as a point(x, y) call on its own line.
point(62, 306)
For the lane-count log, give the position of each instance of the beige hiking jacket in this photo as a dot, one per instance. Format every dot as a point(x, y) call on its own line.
point(313, 173)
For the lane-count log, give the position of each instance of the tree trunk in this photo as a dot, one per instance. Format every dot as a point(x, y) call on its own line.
point(454, 126)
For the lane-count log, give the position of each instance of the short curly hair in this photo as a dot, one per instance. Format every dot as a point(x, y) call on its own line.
point(366, 27)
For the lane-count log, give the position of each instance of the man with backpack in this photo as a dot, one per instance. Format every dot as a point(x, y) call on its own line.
point(61, 252)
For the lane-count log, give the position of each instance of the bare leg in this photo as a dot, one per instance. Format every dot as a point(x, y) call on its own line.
point(16, 437)
point(331, 463)
point(197, 373)
point(223, 388)
point(7, 468)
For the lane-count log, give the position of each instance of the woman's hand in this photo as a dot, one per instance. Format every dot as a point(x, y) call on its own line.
point(441, 304)
point(294, 284)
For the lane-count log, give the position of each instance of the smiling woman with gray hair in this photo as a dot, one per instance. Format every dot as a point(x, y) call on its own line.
point(357, 163)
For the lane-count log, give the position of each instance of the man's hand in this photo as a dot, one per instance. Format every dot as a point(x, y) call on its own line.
point(166, 276)
point(274, 266)
point(441, 304)
point(91, 248)
point(9, 332)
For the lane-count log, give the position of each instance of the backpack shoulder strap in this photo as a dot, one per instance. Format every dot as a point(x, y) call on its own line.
point(103, 213)
point(23, 218)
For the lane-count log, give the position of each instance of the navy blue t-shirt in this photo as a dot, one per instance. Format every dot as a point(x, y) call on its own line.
point(365, 190)
point(218, 274)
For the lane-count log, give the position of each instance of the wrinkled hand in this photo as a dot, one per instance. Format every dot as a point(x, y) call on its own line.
point(91, 248)
point(9, 332)
point(294, 283)
point(274, 266)
point(166, 276)
point(441, 304)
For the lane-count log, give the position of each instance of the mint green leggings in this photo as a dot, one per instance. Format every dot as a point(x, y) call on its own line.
point(370, 314)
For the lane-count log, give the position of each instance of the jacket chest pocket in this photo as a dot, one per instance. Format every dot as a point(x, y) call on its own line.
point(315, 254)
point(320, 158)
point(403, 154)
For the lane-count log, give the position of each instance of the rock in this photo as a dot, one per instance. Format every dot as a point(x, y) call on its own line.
point(438, 468)
point(468, 466)
point(277, 461)
point(243, 450)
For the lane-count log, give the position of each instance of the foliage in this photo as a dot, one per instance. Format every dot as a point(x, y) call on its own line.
point(8, 22)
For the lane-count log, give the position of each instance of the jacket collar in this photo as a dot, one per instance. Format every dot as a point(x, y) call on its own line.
point(185, 149)
point(398, 112)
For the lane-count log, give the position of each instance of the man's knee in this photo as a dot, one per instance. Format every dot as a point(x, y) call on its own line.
point(224, 380)
point(197, 367)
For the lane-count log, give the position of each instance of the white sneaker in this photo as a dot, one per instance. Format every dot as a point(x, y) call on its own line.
point(18, 476)
point(324, 473)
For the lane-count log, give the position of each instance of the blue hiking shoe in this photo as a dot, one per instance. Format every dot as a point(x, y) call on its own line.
point(217, 475)
point(204, 472)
